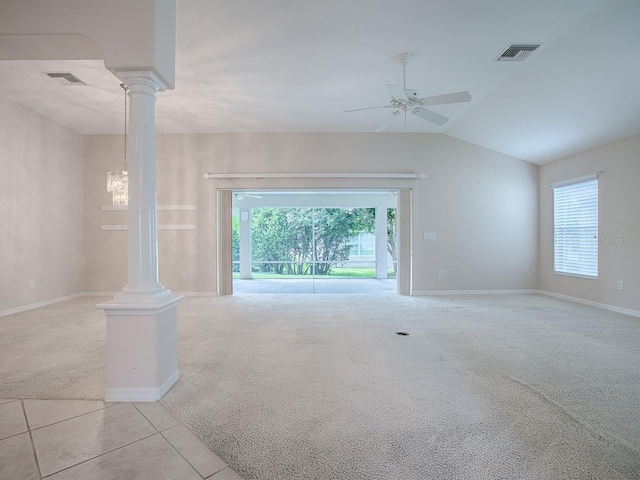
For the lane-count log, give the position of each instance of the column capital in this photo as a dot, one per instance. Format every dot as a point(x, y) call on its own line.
point(145, 77)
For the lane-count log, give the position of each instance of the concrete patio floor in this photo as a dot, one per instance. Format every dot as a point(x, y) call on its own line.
point(323, 285)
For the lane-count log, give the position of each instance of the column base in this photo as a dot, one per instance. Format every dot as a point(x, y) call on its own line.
point(142, 347)
point(140, 394)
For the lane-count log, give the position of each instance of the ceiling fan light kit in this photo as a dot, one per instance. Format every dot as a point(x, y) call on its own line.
point(405, 100)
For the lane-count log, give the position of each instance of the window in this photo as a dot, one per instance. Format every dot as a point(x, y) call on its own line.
point(575, 228)
point(362, 245)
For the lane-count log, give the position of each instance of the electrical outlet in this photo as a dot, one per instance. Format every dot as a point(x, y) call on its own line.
point(620, 285)
point(429, 236)
point(32, 284)
point(183, 275)
point(440, 274)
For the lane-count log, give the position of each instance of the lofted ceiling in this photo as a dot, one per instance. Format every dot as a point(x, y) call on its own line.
point(294, 66)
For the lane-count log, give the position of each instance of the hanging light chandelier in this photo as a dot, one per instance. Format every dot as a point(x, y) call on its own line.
point(118, 181)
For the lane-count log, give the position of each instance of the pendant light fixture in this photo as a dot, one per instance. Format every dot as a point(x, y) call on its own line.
point(118, 181)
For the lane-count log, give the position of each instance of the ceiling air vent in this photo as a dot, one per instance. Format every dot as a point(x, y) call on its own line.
point(517, 52)
point(66, 78)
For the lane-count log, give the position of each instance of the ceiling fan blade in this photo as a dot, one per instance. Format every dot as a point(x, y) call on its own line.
point(430, 116)
point(387, 121)
point(397, 92)
point(457, 97)
point(367, 108)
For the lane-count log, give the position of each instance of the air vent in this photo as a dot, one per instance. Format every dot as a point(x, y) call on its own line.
point(517, 52)
point(66, 78)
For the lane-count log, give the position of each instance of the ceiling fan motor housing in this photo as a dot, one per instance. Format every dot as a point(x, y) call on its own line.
point(413, 100)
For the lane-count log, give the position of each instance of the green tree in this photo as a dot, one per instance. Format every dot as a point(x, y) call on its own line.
point(272, 233)
point(235, 239)
point(392, 237)
point(299, 244)
point(286, 234)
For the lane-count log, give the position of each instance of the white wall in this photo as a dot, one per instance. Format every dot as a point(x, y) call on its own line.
point(482, 205)
point(41, 208)
point(618, 224)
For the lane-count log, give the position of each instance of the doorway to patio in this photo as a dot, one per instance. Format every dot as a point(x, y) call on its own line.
point(293, 241)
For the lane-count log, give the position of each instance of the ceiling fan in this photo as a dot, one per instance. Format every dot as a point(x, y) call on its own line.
point(405, 100)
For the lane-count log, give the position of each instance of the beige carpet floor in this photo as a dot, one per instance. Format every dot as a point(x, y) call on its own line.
point(320, 387)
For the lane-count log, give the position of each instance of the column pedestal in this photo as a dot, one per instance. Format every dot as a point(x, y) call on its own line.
point(142, 362)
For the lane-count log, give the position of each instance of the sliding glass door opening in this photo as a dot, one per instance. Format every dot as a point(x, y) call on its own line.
point(292, 249)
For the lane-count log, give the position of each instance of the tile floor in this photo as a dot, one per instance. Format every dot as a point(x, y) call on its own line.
point(78, 439)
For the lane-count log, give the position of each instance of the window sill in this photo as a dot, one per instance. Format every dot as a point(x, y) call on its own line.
point(587, 277)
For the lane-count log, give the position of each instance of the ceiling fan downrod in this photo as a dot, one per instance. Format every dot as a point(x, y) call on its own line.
point(404, 59)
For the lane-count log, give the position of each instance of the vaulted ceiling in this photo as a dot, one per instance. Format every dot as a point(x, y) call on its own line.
point(295, 66)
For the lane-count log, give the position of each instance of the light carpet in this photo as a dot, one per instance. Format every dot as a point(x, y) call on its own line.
point(320, 387)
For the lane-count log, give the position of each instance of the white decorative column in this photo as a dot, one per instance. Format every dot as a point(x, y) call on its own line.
point(141, 321)
point(142, 220)
point(381, 241)
point(245, 243)
point(403, 217)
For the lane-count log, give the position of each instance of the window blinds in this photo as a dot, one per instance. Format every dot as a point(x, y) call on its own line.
point(575, 224)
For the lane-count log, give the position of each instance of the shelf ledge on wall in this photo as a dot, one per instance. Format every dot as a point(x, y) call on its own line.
point(160, 207)
point(160, 227)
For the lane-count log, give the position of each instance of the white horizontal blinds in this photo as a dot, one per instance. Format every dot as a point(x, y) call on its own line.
point(575, 224)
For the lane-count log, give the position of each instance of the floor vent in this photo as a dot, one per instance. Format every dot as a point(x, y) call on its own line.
point(66, 78)
point(517, 52)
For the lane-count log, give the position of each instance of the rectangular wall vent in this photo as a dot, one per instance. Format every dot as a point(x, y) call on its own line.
point(517, 52)
point(66, 78)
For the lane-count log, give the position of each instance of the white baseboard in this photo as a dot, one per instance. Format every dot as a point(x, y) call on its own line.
point(188, 294)
point(472, 292)
point(605, 306)
point(141, 394)
point(32, 306)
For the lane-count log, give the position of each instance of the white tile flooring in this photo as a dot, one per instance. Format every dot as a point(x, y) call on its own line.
point(78, 439)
